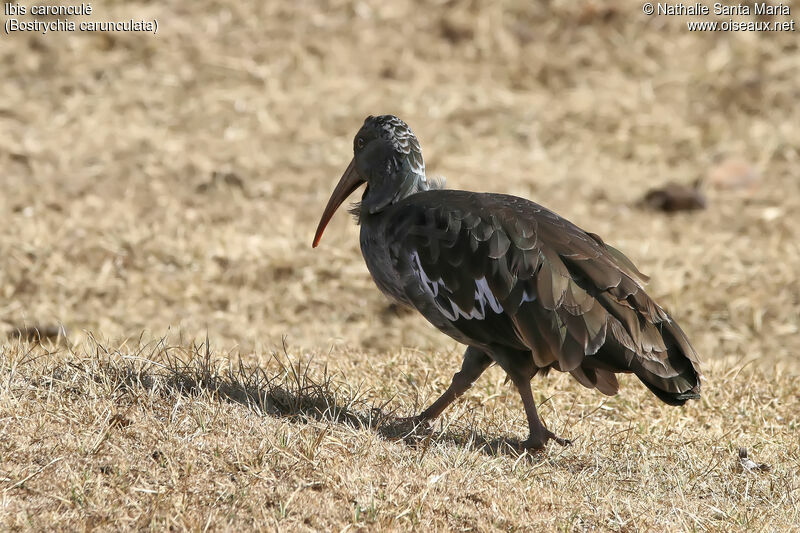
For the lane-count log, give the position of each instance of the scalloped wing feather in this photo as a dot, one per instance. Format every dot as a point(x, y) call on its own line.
point(487, 260)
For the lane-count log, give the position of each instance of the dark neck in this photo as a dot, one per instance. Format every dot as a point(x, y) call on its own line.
point(381, 195)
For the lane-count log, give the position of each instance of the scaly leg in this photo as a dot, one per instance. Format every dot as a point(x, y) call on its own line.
point(520, 368)
point(475, 362)
point(539, 434)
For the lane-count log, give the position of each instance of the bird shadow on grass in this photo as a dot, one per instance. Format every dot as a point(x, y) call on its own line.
point(290, 392)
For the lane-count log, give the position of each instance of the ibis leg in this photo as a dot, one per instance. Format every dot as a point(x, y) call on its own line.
point(539, 434)
point(475, 362)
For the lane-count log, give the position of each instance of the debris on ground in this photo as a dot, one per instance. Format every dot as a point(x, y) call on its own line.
point(672, 197)
point(734, 174)
point(37, 333)
point(748, 465)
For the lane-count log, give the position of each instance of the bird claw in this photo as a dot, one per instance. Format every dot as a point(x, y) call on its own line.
point(562, 441)
point(539, 442)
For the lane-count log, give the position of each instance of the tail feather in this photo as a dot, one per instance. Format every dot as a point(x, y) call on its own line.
point(670, 398)
point(685, 385)
point(678, 377)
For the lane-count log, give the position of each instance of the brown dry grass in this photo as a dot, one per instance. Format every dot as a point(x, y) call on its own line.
point(170, 185)
point(148, 437)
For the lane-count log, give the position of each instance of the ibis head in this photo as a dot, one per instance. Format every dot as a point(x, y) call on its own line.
point(387, 157)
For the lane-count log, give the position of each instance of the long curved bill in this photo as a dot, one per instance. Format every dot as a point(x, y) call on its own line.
point(349, 183)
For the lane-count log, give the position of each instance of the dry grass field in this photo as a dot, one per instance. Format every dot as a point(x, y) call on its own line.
point(205, 369)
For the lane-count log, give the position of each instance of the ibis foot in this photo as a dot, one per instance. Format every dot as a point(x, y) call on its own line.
point(539, 442)
point(538, 433)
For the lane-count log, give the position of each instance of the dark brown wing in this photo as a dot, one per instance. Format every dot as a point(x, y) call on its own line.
point(504, 270)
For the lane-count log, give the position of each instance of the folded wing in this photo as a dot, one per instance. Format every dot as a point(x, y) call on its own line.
point(507, 271)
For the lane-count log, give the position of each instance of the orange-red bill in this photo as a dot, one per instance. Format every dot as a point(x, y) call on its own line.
point(349, 183)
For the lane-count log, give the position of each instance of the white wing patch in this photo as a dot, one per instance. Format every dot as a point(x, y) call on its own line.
point(484, 299)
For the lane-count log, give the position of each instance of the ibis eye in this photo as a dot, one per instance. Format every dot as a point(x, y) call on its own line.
point(360, 143)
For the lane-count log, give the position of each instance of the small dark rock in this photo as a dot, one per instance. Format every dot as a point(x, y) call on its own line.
point(37, 333)
point(221, 179)
point(456, 29)
point(672, 197)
